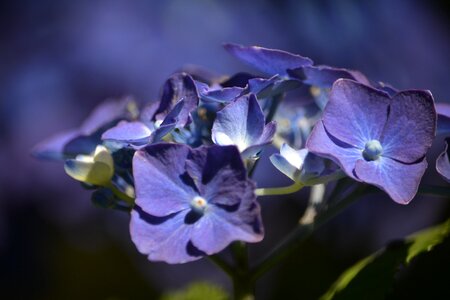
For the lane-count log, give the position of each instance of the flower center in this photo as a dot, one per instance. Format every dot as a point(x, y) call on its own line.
point(372, 150)
point(199, 204)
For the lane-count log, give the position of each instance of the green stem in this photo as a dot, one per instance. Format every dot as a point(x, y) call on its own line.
point(240, 253)
point(243, 288)
point(290, 244)
point(296, 186)
point(218, 261)
point(242, 285)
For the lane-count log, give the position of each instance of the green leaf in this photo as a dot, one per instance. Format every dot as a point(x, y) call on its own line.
point(198, 291)
point(373, 277)
point(425, 240)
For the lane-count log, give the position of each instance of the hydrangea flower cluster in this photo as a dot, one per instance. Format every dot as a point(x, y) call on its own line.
point(181, 165)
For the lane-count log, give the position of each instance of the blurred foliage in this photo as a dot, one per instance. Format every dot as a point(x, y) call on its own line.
point(198, 291)
point(374, 276)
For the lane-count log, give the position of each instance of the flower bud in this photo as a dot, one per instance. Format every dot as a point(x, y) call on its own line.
point(97, 168)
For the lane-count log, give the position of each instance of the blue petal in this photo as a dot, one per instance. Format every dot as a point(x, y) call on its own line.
point(265, 88)
point(223, 174)
point(162, 239)
point(323, 144)
point(443, 123)
point(53, 147)
point(399, 180)
point(443, 162)
point(178, 87)
point(240, 123)
point(219, 227)
point(223, 95)
point(159, 174)
point(283, 165)
point(129, 133)
point(411, 126)
point(265, 138)
point(325, 76)
point(269, 61)
point(355, 113)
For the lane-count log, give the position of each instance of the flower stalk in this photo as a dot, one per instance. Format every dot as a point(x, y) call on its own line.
point(296, 186)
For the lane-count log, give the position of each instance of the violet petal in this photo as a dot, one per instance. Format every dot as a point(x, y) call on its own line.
point(320, 142)
point(411, 126)
point(268, 61)
point(355, 113)
point(399, 180)
point(443, 162)
point(159, 175)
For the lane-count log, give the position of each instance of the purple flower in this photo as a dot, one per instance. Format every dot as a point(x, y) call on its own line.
point(179, 98)
point(325, 76)
point(242, 123)
point(83, 140)
point(275, 85)
point(443, 161)
point(375, 138)
point(137, 134)
point(216, 93)
point(179, 86)
point(268, 61)
point(443, 124)
point(191, 202)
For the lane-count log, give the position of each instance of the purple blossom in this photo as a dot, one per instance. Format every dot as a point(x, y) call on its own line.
point(242, 123)
point(217, 93)
point(179, 98)
point(268, 61)
point(325, 76)
point(179, 86)
point(83, 140)
point(137, 134)
point(443, 161)
point(282, 65)
point(375, 138)
point(275, 85)
point(443, 123)
point(191, 202)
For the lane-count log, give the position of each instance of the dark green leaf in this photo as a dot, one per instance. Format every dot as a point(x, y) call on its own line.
point(372, 277)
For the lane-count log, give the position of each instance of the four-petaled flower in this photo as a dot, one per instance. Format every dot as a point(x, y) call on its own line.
point(191, 202)
point(375, 138)
point(242, 123)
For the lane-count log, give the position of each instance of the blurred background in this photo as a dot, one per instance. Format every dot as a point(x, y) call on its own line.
point(58, 59)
